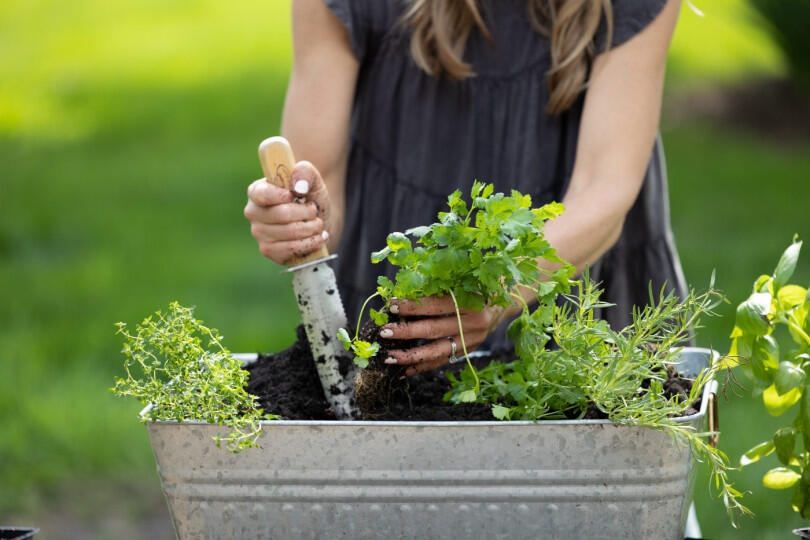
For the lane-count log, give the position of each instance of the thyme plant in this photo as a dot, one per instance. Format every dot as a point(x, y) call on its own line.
point(180, 368)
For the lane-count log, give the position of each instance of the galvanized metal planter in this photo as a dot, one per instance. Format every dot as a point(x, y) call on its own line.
point(359, 479)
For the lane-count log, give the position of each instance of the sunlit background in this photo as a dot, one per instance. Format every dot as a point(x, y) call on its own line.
point(128, 135)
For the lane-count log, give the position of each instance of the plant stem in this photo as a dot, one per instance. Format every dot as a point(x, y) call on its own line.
point(360, 317)
point(464, 345)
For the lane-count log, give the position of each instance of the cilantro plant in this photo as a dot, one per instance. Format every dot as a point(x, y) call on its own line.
point(477, 253)
point(771, 344)
point(179, 367)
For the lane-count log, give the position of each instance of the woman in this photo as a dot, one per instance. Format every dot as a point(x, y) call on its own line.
point(396, 103)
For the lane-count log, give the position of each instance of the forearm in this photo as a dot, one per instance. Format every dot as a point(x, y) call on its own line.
point(592, 221)
point(617, 134)
point(331, 163)
point(317, 109)
point(326, 148)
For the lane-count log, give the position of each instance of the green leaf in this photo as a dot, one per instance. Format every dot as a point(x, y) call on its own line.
point(550, 210)
point(361, 362)
point(380, 256)
point(468, 396)
point(500, 412)
point(764, 360)
point(418, 232)
point(787, 264)
point(766, 350)
point(743, 344)
point(764, 283)
point(776, 403)
point(410, 284)
point(397, 241)
point(752, 315)
point(344, 338)
point(365, 349)
point(379, 317)
point(756, 453)
point(789, 377)
point(785, 442)
point(790, 296)
point(800, 502)
point(780, 478)
point(384, 284)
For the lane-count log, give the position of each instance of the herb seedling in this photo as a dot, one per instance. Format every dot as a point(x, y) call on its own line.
point(478, 254)
point(179, 367)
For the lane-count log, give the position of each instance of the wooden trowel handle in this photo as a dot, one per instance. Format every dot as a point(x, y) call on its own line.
point(278, 162)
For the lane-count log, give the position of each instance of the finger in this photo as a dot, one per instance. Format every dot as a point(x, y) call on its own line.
point(280, 214)
point(308, 183)
point(476, 326)
point(262, 193)
point(430, 328)
point(433, 350)
point(437, 350)
point(286, 232)
point(284, 251)
point(426, 366)
point(429, 306)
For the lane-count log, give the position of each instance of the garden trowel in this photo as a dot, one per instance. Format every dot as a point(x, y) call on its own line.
point(316, 291)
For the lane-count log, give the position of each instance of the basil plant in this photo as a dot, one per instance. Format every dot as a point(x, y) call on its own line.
point(771, 344)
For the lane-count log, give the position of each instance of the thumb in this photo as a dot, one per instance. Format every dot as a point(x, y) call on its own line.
point(309, 185)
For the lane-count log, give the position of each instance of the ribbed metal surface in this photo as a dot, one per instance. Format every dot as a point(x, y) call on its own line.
point(356, 479)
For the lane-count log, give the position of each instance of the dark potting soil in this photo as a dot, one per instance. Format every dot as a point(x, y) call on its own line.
point(286, 384)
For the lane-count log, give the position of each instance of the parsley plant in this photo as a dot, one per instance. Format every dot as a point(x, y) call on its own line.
point(477, 253)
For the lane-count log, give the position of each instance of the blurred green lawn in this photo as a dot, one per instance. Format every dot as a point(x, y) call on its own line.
point(128, 134)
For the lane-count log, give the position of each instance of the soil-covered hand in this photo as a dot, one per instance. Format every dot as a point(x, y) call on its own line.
point(434, 319)
point(289, 223)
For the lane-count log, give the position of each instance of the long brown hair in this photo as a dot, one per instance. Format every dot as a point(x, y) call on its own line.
point(440, 29)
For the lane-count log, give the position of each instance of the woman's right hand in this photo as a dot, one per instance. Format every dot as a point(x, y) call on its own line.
point(289, 223)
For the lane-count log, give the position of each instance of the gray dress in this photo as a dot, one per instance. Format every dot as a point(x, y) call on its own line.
point(415, 139)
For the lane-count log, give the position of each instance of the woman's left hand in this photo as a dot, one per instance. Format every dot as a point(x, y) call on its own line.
point(435, 319)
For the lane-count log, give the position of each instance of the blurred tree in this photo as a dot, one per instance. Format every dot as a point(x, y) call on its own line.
point(789, 21)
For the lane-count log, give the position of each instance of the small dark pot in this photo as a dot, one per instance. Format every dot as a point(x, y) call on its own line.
point(802, 533)
point(17, 533)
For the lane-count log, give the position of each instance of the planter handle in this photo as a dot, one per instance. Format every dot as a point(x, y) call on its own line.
point(713, 419)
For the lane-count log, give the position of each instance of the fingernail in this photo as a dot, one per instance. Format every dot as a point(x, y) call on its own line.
point(301, 187)
point(386, 333)
point(394, 308)
point(390, 360)
point(325, 235)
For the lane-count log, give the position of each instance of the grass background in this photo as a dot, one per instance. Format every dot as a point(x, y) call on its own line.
point(128, 134)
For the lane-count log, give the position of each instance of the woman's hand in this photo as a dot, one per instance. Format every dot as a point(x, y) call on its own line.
point(289, 223)
point(436, 321)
